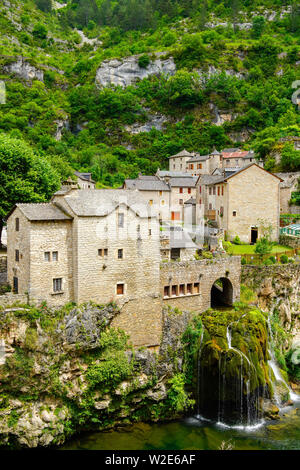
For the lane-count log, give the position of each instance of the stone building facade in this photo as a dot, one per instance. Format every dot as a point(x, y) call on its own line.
point(239, 201)
point(104, 246)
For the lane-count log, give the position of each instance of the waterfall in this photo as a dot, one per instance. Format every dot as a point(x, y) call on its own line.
point(273, 365)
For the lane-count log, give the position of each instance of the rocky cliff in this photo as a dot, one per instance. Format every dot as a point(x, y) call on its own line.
point(68, 370)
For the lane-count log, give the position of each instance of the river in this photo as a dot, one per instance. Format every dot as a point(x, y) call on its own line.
point(194, 434)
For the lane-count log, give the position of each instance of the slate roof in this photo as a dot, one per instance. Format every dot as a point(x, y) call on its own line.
point(181, 239)
point(144, 184)
point(164, 173)
point(199, 158)
point(42, 211)
point(100, 202)
point(192, 201)
point(224, 179)
point(183, 153)
point(84, 176)
point(183, 182)
point(208, 179)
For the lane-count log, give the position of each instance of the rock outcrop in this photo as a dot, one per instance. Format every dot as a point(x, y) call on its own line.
point(124, 72)
point(23, 69)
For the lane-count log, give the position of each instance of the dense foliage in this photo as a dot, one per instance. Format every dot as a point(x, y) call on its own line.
point(247, 74)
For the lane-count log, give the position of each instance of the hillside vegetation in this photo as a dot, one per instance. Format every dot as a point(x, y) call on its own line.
point(234, 65)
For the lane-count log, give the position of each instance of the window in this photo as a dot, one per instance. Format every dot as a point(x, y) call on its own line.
point(162, 202)
point(173, 167)
point(150, 233)
point(167, 291)
point(120, 253)
point(151, 202)
point(17, 255)
point(222, 190)
point(218, 190)
point(47, 256)
point(174, 291)
point(210, 207)
point(192, 166)
point(196, 288)
point(181, 289)
point(57, 285)
point(210, 191)
point(120, 289)
point(160, 193)
point(214, 190)
point(200, 201)
point(100, 252)
point(17, 224)
point(180, 190)
point(121, 220)
point(181, 202)
point(189, 190)
point(15, 285)
point(105, 251)
point(200, 189)
point(234, 213)
point(138, 228)
point(189, 288)
point(54, 255)
point(199, 166)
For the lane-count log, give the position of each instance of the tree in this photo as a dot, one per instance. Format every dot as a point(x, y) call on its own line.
point(258, 26)
point(40, 31)
point(263, 247)
point(44, 5)
point(25, 176)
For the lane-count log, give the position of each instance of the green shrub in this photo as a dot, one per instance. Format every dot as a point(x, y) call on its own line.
point(284, 259)
point(144, 61)
point(243, 261)
point(236, 240)
point(177, 396)
point(207, 255)
point(273, 259)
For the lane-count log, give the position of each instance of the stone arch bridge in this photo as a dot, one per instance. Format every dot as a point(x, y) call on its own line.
point(199, 285)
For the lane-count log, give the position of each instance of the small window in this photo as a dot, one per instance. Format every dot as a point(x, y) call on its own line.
point(105, 251)
point(160, 193)
point(120, 289)
point(120, 253)
point(162, 202)
point(210, 190)
point(150, 232)
point(189, 190)
point(218, 190)
point(214, 190)
point(17, 255)
point(15, 285)
point(138, 228)
point(167, 291)
point(17, 224)
point(181, 202)
point(189, 288)
point(120, 220)
point(180, 190)
point(196, 288)
point(57, 285)
point(234, 213)
point(47, 256)
point(100, 252)
point(181, 289)
point(174, 291)
point(151, 202)
point(54, 255)
point(222, 190)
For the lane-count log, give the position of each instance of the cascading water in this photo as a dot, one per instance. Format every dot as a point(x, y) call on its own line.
point(234, 392)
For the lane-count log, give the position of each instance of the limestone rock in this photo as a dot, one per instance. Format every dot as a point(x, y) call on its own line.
point(127, 71)
point(24, 69)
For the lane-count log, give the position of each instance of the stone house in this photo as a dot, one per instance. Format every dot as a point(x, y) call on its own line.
point(288, 185)
point(84, 180)
point(154, 191)
point(237, 202)
point(104, 246)
point(179, 161)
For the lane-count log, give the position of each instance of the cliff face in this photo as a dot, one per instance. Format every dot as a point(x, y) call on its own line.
point(68, 370)
point(277, 289)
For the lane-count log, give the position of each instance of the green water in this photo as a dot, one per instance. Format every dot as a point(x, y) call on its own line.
point(192, 434)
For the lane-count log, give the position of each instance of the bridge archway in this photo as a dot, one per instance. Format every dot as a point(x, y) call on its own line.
point(221, 294)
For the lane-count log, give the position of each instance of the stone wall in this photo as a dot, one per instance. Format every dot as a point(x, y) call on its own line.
point(3, 270)
point(289, 240)
point(10, 299)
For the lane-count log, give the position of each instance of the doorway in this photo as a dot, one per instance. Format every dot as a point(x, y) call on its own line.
point(254, 235)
